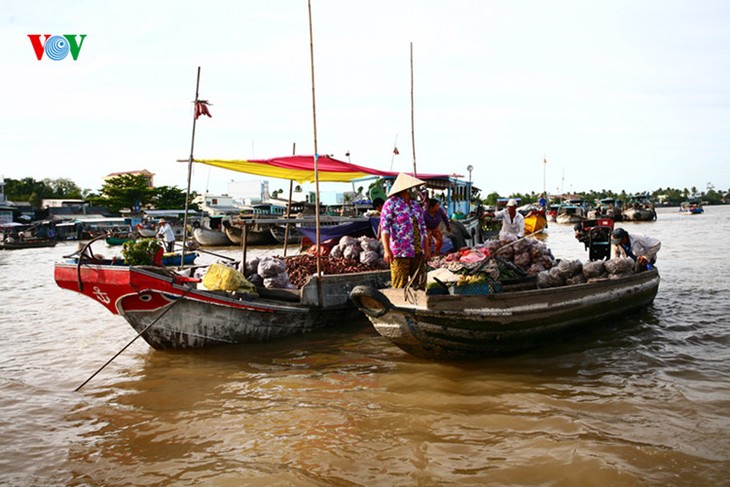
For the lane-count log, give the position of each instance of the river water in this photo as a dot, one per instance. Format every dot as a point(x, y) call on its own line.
point(642, 401)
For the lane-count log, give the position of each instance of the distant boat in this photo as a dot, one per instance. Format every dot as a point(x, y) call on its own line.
point(639, 208)
point(27, 244)
point(211, 238)
point(119, 239)
point(607, 208)
point(571, 211)
point(691, 207)
point(256, 233)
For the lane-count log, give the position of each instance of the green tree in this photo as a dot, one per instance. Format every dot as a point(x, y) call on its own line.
point(172, 198)
point(63, 188)
point(491, 199)
point(27, 189)
point(124, 192)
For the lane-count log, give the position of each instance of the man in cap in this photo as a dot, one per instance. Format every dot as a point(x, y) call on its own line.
point(513, 223)
point(640, 248)
point(403, 233)
point(165, 233)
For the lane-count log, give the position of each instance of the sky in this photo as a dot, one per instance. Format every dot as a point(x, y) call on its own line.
point(622, 95)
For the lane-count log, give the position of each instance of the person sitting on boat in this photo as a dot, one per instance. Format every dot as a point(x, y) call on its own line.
point(403, 234)
point(165, 233)
point(433, 217)
point(640, 248)
point(513, 223)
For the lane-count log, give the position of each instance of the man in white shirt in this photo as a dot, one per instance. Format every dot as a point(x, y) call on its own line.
point(513, 223)
point(165, 233)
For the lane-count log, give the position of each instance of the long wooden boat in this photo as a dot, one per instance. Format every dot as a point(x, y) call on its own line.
point(211, 238)
point(514, 320)
point(27, 244)
point(256, 233)
point(170, 311)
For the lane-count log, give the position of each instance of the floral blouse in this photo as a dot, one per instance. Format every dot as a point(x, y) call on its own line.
point(396, 219)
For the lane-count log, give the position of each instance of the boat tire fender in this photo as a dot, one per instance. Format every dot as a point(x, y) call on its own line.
point(370, 301)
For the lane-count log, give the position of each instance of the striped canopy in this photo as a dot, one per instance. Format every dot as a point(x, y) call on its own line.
point(298, 168)
point(301, 169)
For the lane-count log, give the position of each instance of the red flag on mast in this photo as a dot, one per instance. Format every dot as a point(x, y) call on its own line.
point(201, 108)
point(395, 151)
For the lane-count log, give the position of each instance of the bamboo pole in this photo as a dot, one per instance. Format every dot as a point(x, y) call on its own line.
point(190, 171)
point(413, 130)
point(288, 207)
point(316, 157)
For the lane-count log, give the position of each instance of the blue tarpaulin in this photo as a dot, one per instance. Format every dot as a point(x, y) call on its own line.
point(368, 227)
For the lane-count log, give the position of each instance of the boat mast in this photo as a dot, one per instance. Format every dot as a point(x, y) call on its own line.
point(316, 155)
point(413, 132)
point(288, 206)
point(190, 170)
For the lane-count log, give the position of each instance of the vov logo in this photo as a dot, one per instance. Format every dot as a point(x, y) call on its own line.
point(56, 47)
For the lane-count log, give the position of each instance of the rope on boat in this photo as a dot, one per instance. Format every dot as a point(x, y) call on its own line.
point(134, 339)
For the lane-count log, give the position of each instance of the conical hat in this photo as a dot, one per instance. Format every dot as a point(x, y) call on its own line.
point(403, 182)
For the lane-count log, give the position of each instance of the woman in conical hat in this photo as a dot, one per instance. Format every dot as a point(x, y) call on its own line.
point(403, 233)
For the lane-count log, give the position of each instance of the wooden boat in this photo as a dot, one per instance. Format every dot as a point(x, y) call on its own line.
point(211, 238)
point(256, 233)
point(606, 208)
point(113, 240)
point(279, 233)
point(639, 208)
point(691, 207)
point(518, 318)
point(170, 312)
point(27, 244)
point(571, 211)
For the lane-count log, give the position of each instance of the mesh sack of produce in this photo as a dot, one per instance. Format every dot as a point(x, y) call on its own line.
point(557, 276)
point(369, 257)
point(336, 252)
point(271, 267)
point(278, 282)
point(535, 269)
point(544, 280)
point(347, 241)
point(351, 252)
point(367, 243)
point(576, 267)
point(576, 279)
point(621, 266)
point(252, 266)
point(222, 278)
point(594, 269)
point(522, 259)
